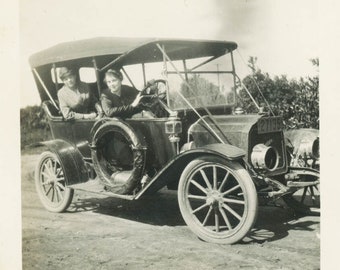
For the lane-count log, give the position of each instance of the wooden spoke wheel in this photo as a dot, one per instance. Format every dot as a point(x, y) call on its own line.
point(51, 184)
point(217, 199)
point(305, 200)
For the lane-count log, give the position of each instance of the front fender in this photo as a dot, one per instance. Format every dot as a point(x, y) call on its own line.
point(303, 145)
point(296, 136)
point(171, 173)
point(227, 151)
point(71, 160)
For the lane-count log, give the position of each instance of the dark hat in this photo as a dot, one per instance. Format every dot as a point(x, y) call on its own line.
point(65, 71)
point(115, 73)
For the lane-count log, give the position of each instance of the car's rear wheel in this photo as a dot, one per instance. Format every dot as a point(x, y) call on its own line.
point(217, 199)
point(50, 183)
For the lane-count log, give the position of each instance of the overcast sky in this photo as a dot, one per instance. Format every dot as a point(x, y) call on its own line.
point(282, 34)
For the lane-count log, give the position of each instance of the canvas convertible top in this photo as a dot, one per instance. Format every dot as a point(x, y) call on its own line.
point(128, 51)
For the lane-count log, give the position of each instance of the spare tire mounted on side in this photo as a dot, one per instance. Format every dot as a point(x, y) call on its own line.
point(118, 155)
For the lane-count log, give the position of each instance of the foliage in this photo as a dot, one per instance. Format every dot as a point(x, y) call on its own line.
point(33, 126)
point(206, 93)
point(297, 101)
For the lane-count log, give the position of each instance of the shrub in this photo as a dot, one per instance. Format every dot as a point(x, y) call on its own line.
point(297, 101)
point(33, 126)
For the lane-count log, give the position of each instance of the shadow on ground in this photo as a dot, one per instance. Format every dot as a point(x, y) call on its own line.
point(161, 209)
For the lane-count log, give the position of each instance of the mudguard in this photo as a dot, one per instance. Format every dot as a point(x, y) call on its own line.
point(302, 144)
point(227, 151)
point(296, 136)
point(71, 160)
point(171, 173)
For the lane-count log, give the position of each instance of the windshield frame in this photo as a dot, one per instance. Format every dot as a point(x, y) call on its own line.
point(184, 76)
point(222, 139)
point(201, 98)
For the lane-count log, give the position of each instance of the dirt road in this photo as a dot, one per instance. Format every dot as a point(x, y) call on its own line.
point(105, 233)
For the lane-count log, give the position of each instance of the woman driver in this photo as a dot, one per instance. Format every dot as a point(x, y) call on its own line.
point(119, 100)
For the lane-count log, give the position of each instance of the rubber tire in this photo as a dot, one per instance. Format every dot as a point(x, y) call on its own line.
point(139, 156)
point(247, 185)
point(60, 206)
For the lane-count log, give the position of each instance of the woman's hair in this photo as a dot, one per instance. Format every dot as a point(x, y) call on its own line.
point(115, 73)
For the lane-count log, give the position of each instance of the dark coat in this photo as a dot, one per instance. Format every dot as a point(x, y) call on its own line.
point(119, 106)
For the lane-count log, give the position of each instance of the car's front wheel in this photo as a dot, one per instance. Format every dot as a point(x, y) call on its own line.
point(51, 184)
point(217, 199)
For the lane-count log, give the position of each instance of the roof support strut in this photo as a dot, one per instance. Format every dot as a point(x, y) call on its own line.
point(45, 88)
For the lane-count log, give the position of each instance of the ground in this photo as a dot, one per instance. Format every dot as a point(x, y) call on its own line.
point(105, 233)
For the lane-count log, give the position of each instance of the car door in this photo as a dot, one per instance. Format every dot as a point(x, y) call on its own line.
point(81, 135)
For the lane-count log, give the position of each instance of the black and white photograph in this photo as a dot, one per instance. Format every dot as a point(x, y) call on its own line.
point(169, 135)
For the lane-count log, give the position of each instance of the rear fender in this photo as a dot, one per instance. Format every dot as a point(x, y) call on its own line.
point(171, 173)
point(71, 160)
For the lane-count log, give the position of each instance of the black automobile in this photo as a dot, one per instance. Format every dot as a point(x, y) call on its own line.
point(190, 137)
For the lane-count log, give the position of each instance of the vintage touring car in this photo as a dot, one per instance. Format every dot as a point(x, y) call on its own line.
point(190, 138)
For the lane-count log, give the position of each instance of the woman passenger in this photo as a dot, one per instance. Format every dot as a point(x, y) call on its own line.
point(75, 98)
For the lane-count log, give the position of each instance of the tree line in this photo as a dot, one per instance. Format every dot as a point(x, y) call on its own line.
point(296, 100)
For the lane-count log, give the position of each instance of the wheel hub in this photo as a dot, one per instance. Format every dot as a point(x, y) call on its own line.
point(214, 198)
point(52, 181)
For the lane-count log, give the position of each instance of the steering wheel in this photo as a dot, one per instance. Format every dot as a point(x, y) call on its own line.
point(154, 93)
point(155, 88)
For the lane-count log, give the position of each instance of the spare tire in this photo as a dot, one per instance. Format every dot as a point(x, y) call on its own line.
point(118, 155)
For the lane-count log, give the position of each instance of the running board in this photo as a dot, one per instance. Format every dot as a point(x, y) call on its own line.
point(96, 187)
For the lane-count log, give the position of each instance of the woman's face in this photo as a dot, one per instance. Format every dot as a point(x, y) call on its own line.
point(113, 83)
point(70, 81)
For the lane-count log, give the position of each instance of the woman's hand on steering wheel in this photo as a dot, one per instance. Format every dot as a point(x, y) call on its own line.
point(153, 86)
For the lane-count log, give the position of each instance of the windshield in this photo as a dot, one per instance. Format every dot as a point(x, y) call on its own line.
point(207, 82)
